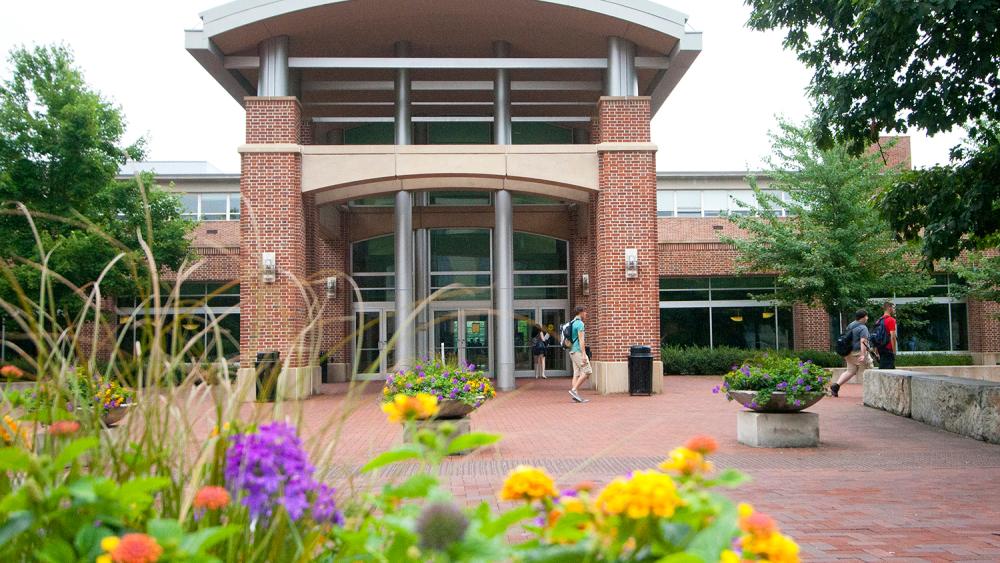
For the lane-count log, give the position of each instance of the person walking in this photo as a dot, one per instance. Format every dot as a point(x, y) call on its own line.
point(539, 347)
point(857, 359)
point(578, 352)
point(886, 352)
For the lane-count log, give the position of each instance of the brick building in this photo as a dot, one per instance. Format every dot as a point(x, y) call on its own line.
point(418, 175)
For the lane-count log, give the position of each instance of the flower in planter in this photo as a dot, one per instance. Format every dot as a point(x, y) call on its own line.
point(768, 374)
point(404, 407)
point(445, 382)
point(529, 484)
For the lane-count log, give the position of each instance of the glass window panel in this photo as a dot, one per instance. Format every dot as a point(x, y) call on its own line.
point(778, 205)
point(234, 206)
point(214, 207)
point(741, 201)
point(929, 331)
point(700, 295)
point(541, 293)
point(534, 133)
point(459, 198)
point(377, 295)
point(380, 201)
point(743, 282)
point(459, 133)
point(744, 327)
point(664, 203)
point(371, 282)
point(374, 255)
point(540, 279)
point(190, 204)
point(715, 202)
point(460, 250)
point(688, 203)
point(370, 134)
point(733, 294)
point(959, 327)
point(684, 327)
point(466, 294)
point(467, 280)
point(539, 252)
point(531, 199)
point(786, 335)
point(684, 283)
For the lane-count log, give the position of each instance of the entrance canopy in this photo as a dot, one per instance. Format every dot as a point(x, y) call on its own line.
point(342, 59)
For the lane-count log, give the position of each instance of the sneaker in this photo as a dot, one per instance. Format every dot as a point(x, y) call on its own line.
point(835, 390)
point(575, 396)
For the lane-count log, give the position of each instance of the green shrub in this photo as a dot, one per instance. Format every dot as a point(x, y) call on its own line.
point(701, 360)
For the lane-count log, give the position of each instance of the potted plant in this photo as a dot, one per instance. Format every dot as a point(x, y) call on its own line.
point(81, 394)
point(458, 389)
point(770, 383)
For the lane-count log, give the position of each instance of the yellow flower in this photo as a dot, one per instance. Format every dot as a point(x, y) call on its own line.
point(110, 543)
point(729, 556)
point(744, 510)
point(645, 493)
point(528, 483)
point(404, 407)
point(11, 430)
point(215, 430)
point(685, 461)
point(103, 559)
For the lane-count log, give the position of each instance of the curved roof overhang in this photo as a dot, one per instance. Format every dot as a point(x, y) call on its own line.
point(446, 28)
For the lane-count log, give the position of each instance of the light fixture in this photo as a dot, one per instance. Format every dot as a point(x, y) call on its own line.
point(331, 286)
point(631, 263)
point(736, 318)
point(268, 267)
point(585, 284)
point(767, 314)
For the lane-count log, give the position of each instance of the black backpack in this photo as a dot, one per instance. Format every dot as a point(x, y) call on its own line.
point(879, 336)
point(567, 335)
point(845, 343)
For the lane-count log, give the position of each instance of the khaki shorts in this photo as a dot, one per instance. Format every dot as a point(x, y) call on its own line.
point(581, 364)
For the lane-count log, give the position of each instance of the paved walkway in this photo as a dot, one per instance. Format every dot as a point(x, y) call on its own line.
point(879, 488)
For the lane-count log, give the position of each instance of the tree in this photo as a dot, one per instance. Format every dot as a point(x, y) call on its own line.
point(890, 66)
point(833, 249)
point(60, 151)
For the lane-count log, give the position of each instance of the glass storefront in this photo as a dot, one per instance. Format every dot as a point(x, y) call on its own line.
point(723, 311)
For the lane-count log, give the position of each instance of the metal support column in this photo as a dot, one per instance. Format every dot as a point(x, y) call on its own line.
point(405, 349)
point(273, 77)
point(503, 236)
point(421, 272)
point(621, 78)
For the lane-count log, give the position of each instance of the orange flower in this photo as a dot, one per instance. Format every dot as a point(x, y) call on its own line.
point(758, 524)
point(702, 444)
point(686, 461)
point(211, 497)
point(585, 486)
point(136, 548)
point(64, 428)
point(11, 372)
point(528, 483)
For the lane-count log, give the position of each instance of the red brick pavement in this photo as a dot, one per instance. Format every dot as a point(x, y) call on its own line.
point(879, 487)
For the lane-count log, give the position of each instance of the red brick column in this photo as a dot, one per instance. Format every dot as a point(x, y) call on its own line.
point(273, 315)
point(810, 327)
point(984, 327)
point(625, 218)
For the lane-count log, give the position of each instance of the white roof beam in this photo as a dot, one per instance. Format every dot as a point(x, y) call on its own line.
point(244, 63)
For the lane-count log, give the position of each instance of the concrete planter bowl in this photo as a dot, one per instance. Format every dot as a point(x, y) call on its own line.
point(115, 415)
point(779, 401)
point(450, 409)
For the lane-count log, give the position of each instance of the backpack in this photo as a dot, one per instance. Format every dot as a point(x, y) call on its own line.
point(879, 336)
point(845, 343)
point(566, 335)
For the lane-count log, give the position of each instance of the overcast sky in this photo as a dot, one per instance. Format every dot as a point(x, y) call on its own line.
point(133, 52)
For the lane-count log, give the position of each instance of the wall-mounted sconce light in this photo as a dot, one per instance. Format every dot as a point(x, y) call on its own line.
point(585, 284)
point(631, 263)
point(331, 286)
point(268, 267)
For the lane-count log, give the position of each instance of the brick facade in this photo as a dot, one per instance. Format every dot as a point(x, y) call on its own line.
point(627, 309)
point(984, 326)
point(273, 315)
point(810, 327)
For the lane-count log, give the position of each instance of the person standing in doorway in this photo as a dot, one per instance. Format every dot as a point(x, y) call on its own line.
point(578, 352)
point(539, 347)
point(858, 359)
point(887, 353)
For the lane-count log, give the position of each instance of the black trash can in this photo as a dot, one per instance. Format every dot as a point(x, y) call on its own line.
point(268, 367)
point(640, 370)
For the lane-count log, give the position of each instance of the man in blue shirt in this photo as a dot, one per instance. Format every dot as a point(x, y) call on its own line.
point(578, 353)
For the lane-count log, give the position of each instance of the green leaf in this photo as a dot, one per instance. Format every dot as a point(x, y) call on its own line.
point(417, 486)
point(83, 490)
point(75, 449)
point(401, 453)
point(14, 459)
point(471, 441)
point(203, 540)
point(508, 519)
point(684, 557)
point(55, 550)
point(17, 522)
point(88, 540)
point(731, 478)
point(165, 531)
point(143, 486)
point(709, 543)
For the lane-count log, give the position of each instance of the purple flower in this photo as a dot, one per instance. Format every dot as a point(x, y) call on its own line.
point(800, 381)
point(734, 367)
point(409, 386)
point(781, 385)
point(715, 390)
point(269, 468)
point(746, 370)
point(467, 388)
point(453, 394)
point(797, 402)
point(809, 388)
point(753, 404)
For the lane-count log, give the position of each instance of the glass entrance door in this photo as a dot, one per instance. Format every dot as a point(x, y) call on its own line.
point(374, 328)
point(549, 317)
point(463, 336)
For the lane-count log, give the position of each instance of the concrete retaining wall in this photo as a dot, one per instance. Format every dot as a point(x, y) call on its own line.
point(965, 406)
point(984, 373)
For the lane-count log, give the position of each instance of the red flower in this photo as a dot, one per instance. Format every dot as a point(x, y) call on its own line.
point(11, 372)
point(758, 524)
point(211, 497)
point(64, 428)
point(702, 444)
point(136, 548)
